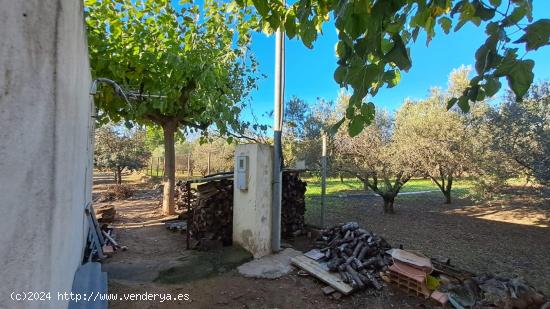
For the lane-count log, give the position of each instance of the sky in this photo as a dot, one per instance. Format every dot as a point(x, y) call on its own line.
point(309, 72)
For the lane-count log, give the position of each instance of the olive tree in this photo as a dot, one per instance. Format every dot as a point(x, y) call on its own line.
point(375, 159)
point(437, 141)
point(522, 131)
point(296, 113)
point(116, 151)
point(374, 36)
point(182, 68)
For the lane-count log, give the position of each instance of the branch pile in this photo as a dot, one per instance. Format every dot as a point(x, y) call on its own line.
point(293, 205)
point(358, 255)
point(489, 291)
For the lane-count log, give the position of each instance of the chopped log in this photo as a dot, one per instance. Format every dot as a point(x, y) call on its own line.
point(357, 254)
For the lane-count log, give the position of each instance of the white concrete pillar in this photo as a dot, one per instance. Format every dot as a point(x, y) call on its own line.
point(252, 206)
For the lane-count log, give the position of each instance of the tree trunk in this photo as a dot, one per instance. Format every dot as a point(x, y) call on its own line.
point(447, 196)
point(388, 204)
point(365, 185)
point(115, 176)
point(169, 179)
point(447, 191)
point(444, 187)
point(119, 175)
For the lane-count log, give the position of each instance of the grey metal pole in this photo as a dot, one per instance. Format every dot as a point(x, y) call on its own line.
point(188, 165)
point(277, 128)
point(208, 165)
point(323, 179)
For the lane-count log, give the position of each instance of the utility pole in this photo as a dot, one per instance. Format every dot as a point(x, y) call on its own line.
point(188, 165)
point(208, 165)
point(323, 178)
point(277, 128)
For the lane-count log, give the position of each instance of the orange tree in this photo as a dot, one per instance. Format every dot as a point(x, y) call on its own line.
point(182, 68)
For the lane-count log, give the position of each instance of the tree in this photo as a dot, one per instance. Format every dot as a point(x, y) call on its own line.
point(303, 129)
point(318, 122)
point(213, 157)
point(116, 152)
point(296, 112)
point(522, 131)
point(373, 157)
point(373, 40)
point(437, 141)
point(184, 68)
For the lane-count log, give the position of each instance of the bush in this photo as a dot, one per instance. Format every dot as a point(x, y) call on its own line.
point(116, 192)
point(487, 186)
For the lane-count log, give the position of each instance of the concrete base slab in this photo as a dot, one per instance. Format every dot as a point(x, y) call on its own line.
point(271, 266)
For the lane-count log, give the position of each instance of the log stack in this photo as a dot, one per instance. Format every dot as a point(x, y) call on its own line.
point(358, 255)
point(293, 205)
point(105, 213)
point(210, 208)
point(212, 212)
point(185, 196)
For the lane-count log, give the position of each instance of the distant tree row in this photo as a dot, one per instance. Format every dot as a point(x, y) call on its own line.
point(491, 143)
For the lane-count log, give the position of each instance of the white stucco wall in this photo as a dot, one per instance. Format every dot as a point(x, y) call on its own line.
point(252, 208)
point(45, 147)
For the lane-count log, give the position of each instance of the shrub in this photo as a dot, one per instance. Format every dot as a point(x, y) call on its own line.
point(117, 192)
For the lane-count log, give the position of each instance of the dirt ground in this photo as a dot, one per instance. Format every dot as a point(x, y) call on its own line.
point(508, 236)
point(503, 237)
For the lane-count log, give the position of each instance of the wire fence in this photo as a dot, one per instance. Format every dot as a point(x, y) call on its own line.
point(190, 165)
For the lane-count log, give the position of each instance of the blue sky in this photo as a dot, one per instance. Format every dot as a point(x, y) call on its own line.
point(309, 72)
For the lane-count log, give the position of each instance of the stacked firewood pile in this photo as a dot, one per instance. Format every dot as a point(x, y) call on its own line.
point(356, 254)
point(211, 213)
point(105, 213)
point(293, 205)
point(209, 208)
point(184, 196)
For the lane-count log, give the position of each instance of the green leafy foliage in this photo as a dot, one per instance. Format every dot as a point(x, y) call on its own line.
point(186, 68)
point(536, 35)
point(373, 40)
point(521, 131)
point(116, 151)
point(197, 59)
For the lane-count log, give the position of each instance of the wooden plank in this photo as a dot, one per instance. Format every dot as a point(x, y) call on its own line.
point(111, 239)
point(314, 254)
point(319, 271)
point(95, 238)
point(90, 211)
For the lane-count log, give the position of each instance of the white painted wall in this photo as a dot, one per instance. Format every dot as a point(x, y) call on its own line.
point(45, 147)
point(252, 208)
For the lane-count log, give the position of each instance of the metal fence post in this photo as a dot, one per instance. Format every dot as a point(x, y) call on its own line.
point(323, 179)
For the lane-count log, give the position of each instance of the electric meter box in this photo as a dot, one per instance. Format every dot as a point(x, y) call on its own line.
point(242, 172)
